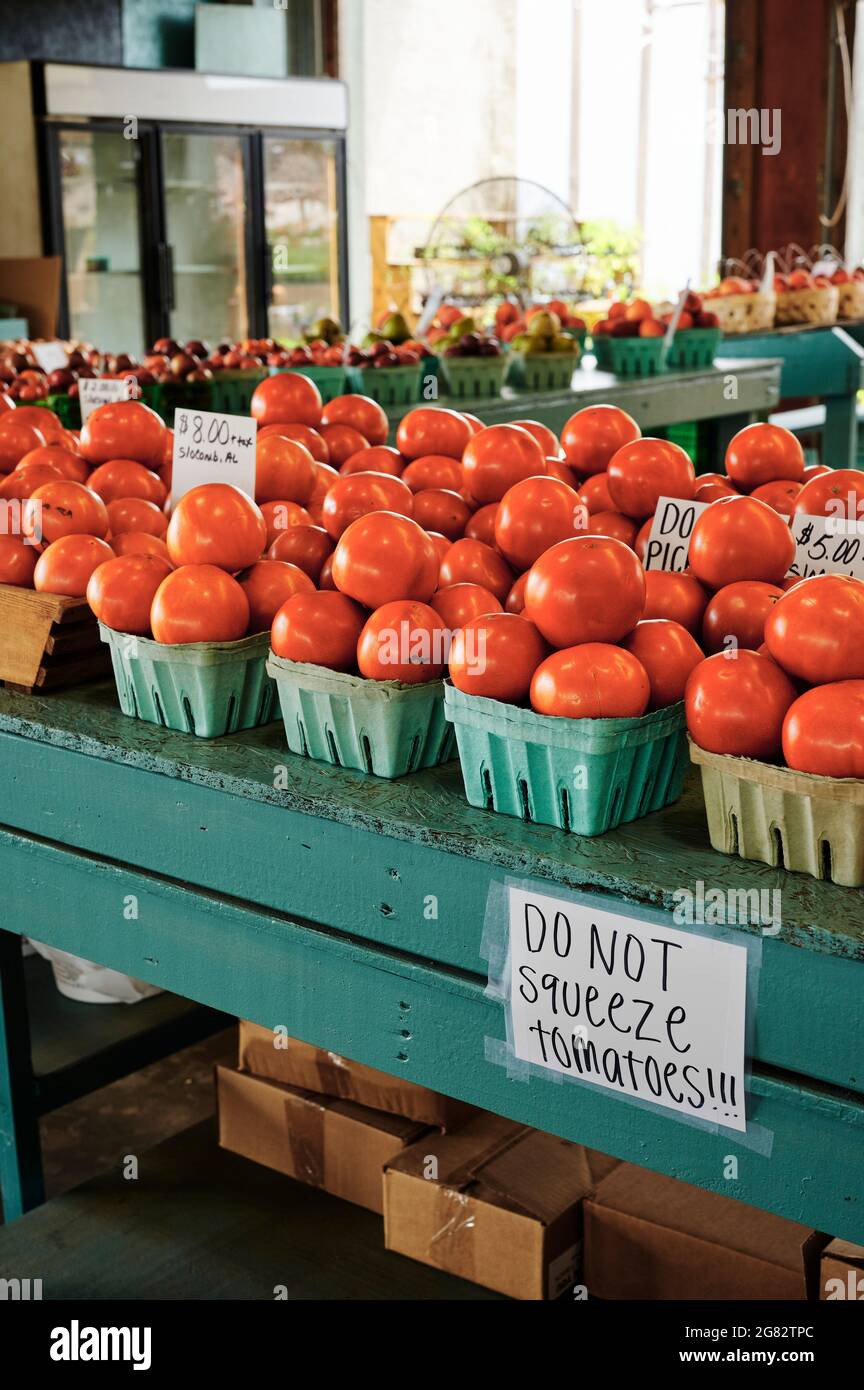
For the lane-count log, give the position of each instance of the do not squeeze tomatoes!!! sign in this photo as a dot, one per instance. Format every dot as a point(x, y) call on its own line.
point(212, 448)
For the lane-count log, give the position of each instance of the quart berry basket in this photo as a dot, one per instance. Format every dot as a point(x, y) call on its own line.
point(631, 356)
point(202, 688)
point(231, 391)
point(542, 371)
point(694, 347)
point(790, 820)
point(582, 775)
point(380, 727)
point(473, 378)
point(331, 381)
point(388, 385)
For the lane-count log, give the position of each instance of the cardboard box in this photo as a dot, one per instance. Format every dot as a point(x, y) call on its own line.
point(841, 1271)
point(503, 1208)
point(32, 284)
point(321, 1140)
point(651, 1237)
point(314, 1069)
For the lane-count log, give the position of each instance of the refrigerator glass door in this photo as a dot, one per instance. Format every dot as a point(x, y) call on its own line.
point(301, 211)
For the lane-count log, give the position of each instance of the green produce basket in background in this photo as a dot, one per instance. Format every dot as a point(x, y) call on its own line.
point(583, 775)
point(66, 408)
point(381, 727)
point(542, 371)
point(388, 385)
point(631, 356)
point(694, 347)
point(331, 381)
point(473, 378)
point(231, 391)
point(203, 688)
point(177, 395)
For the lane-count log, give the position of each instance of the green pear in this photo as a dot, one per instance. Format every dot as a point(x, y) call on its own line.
point(395, 329)
point(545, 325)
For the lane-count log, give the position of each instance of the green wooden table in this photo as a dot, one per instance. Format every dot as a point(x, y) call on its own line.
point(293, 893)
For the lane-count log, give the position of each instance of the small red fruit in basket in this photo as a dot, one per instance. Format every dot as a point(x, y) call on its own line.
point(125, 478)
point(321, 629)
point(593, 435)
point(472, 562)
point(66, 565)
point(546, 438)
point(357, 494)
point(342, 441)
point(283, 469)
point(615, 524)
point(67, 464)
point(434, 470)
point(588, 589)
point(301, 434)
point(815, 631)
point(281, 516)
point(497, 458)
point(267, 585)
point(134, 514)
point(303, 545)
point(124, 430)
point(838, 493)
point(669, 653)
point(642, 472)
point(481, 525)
point(496, 656)
point(216, 524)
point(437, 509)
point(140, 543)
point(432, 429)
point(678, 597)
point(385, 556)
point(823, 732)
point(199, 603)
point(594, 680)
point(17, 561)
point(16, 440)
point(380, 458)
point(534, 514)
point(740, 538)
point(738, 611)
point(595, 494)
point(515, 600)
point(403, 641)
point(764, 453)
point(780, 495)
point(736, 704)
point(361, 413)
point(121, 591)
point(286, 397)
point(61, 508)
point(461, 603)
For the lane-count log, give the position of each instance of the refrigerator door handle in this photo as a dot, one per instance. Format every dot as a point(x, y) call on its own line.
point(169, 277)
point(267, 261)
point(165, 269)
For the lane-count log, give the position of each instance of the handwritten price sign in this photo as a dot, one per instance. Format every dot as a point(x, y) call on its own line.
point(212, 448)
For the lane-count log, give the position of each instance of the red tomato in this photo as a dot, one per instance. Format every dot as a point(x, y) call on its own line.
point(816, 630)
point(738, 611)
point(357, 494)
point(481, 526)
point(460, 603)
point(621, 528)
point(60, 508)
point(139, 543)
point(740, 538)
point(384, 556)
point(380, 458)
point(16, 440)
point(515, 600)
point(764, 453)
point(593, 435)
point(709, 492)
point(321, 629)
point(592, 681)
point(24, 481)
point(498, 457)
point(823, 731)
point(305, 546)
point(534, 514)
point(342, 441)
point(669, 653)
point(678, 597)
point(546, 438)
point(472, 562)
point(642, 472)
point(126, 478)
point(403, 641)
point(123, 430)
point(736, 704)
point(284, 469)
point(301, 434)
point(436, 509)
point(267, 585)
point(287, 396)
point(17, 561)
point(280, 517)
point(46, 421)
point(430, 429)
point(121, 591)
point(557, 468)
point(814, 470)
point(325, 477)
point(442, 544)
point(589, 589)
point(361, 413)
point(496, 656)
point(65, 566)
point(325, 578)
point(67, 464)
point(216, 524)
point(199, 603)
point(134, 514)
point(595, 494)
point(643, 535)
point(434, 470)
point(838, 493)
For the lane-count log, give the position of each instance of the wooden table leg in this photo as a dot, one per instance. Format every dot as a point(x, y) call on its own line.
point(21, 1181)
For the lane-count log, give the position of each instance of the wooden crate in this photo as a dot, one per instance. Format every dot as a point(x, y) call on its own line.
point(48, 641)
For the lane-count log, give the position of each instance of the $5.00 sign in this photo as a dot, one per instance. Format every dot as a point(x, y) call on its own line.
point(212, 448)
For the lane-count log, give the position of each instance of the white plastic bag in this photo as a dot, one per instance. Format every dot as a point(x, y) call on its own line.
point(90, 983)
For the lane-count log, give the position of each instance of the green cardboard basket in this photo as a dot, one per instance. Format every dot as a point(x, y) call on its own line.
point(583, 775)
point(331, 381)
point(381, 727)
point(388, 385)
point(203, 688)
point(231, 391)
point(542, 371)
point(66, 408)
point(633, 356)
point(694, 347)
point(473, 378)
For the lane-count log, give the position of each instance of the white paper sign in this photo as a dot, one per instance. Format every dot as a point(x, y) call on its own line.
point(212, 448)
point(827, 545)
point(50, 356)
point(645, 1011)
point(669, 537)
point(95, 391)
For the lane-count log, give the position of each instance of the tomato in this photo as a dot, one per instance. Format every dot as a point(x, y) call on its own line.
point(17, 561)
point(65, 566)
point(496, 656)
point(736, 704)
point(67, 464)
point(403, 641)
point(121, 591)
point(815, 470)
point(60, 508)
point(216, 524)
point(361, 413)
point(16, 440)
point(816, 630)
point(286, 397)
point(126, 478)
point(134, 514)
point(591, 437)
point(823, 731)
point(546, 438)
point(319, 628)
point(764, 453)
point(592, 681)
point(325, 477)
point(838, 493)
point(434, 470)
point(740, 538)
point(301, 434)
point(669, 653)
point(199, 603)
point(515, 600)
point(380, 458)
point(357, 494)
point(534, 514)
point(267, 585)
point(643, 535)
point(436, 509)
point(557, 468)
point(123, 430)
point(588, 589)
point(474, 423)
point(678, 597)
point(139, 543)
point(472, 562)
point(738, 612)
point(642, 472)
point(595, 494)
point(481, 526)
point(498, 457)
point(305, 546)
point(46, 421)
point(325, 578)
point(709, 492)
point(384, 556)
point(280, 517)
point(458, 604)
point(24, 481)
point(430, 429)
point(442, 544)
point(343, 442)
point(615, 524)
